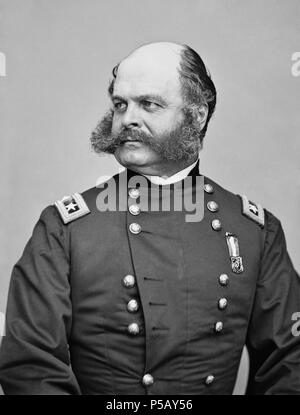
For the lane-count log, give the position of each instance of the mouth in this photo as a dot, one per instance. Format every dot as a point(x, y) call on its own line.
point(130, 141)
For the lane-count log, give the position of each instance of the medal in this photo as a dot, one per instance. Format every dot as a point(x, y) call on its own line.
point(234, 253)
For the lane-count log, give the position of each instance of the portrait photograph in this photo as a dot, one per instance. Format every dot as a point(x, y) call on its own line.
point(150, 165)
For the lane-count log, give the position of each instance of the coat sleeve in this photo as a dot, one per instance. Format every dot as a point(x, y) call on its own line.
point(272, 341)
point(34, 354)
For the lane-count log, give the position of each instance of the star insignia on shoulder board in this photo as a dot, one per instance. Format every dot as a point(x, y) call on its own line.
point(253, 211)
point(72, 207)
point(253, 208)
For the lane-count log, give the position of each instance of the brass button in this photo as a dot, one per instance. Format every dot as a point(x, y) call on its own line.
point(208, 188)
point(134, 210)
point(134, 193)
point(129, 281)
point(209, 380)
point(132, 306)
point(148, 379)
point(216, 224)
point(133, 329)
point(224, 279)
point(135, 228)
point(223, 303)
point(218, 326)
point(212, 206)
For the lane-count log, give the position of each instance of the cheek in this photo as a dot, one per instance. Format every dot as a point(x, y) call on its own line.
point(168, 122)
point(178, 116)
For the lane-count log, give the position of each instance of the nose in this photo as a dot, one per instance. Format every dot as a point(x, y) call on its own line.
point(130, 118)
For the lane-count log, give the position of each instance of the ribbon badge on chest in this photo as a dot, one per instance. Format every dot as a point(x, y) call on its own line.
point(234, 253)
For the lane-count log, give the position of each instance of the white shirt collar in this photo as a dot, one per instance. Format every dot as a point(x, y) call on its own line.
point(180, 175)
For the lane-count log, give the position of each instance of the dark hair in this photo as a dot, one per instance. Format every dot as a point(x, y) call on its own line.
point(196, 83)
point(112, 81)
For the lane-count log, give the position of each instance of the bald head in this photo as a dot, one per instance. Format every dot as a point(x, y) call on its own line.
point(164, 52)
point(151, 69)
point(157, 47)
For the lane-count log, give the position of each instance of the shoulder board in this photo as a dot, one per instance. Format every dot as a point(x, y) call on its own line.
point(72, 207)
point(253, 211)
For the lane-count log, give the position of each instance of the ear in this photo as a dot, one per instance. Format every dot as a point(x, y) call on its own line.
point(201, 115)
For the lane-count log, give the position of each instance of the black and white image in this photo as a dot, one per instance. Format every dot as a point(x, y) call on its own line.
point(150, 197)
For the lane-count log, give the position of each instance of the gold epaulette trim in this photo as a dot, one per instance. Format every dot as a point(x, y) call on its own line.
point(253, 210)
point(72, 207)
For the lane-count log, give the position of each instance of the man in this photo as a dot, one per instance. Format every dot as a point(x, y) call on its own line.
point(134, 301)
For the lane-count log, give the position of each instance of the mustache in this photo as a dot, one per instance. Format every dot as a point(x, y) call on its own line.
point(103, 140)
point(183, 142)
point(125, 135)
point(132, 135)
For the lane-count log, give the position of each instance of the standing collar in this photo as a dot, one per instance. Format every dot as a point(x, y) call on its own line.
point(180, 175)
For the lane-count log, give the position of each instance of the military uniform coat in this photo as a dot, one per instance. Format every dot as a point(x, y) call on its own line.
point(95, 308)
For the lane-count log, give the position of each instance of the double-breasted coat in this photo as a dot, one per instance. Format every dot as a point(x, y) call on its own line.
point(141, 302)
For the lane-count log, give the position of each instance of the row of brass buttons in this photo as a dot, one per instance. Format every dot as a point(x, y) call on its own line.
point(133, 328)
point(216, 224)
point(132, 305)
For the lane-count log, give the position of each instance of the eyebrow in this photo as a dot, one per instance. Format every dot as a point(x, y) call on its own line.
point(146, 97)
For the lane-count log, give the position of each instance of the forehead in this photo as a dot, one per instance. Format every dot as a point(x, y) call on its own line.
point(149, 75)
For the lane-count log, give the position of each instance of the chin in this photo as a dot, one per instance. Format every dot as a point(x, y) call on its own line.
point(132, 157)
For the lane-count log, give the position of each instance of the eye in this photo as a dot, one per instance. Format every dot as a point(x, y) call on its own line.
point(120, 105)
point(150, 105)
